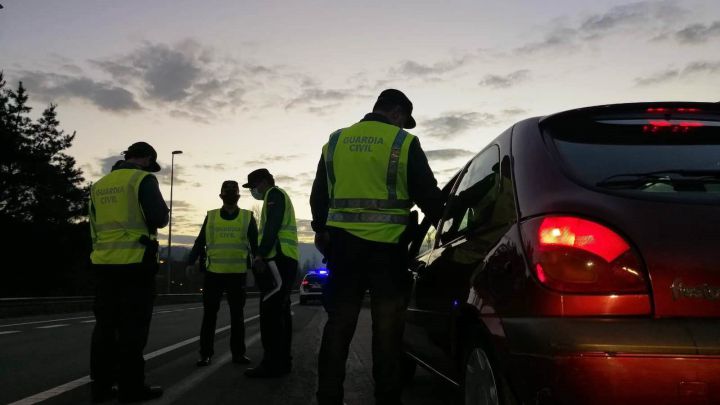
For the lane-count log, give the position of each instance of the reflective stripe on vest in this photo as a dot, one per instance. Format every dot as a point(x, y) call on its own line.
point(287, 235)
point(367, 217)
point(116, 219)
point(393, 164)
point(116, 245)
point(227, 242)
point(369, 198)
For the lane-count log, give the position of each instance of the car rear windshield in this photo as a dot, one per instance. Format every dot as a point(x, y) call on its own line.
point(670, 157)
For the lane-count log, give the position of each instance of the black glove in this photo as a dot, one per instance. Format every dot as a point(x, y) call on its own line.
point(322, 242)
point(263, 277)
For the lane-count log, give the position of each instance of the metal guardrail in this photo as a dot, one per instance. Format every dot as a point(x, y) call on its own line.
point(80, 298)
point(24, 306)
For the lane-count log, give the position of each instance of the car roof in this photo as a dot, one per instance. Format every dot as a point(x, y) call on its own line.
point(633, 109)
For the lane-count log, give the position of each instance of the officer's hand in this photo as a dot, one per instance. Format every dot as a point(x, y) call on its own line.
point(259, 265)
point(322, 242)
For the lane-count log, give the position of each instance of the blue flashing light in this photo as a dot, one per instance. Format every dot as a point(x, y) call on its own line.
point(319, 272)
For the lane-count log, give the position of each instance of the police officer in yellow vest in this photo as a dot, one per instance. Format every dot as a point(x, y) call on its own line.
point(126, 209)
point(227, 240)
point(278, 252)
point(369, 176)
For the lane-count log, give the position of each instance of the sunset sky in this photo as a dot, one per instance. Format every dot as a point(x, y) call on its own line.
point(239, 85)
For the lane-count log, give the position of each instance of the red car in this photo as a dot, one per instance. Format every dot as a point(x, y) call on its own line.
point(578, 262)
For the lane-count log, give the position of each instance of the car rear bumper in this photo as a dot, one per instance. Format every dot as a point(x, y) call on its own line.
point(594, 378)
point(613, 361)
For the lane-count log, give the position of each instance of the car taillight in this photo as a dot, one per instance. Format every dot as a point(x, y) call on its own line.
point(305, 282)
point(575, 255)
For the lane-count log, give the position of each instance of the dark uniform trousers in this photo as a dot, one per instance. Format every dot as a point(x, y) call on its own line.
point(123, 309)
point(357, 265)
point(233, 284)
point(276, 318)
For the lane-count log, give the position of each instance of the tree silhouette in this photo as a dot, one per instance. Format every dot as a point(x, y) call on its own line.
point(42, 200)
point(39, 183)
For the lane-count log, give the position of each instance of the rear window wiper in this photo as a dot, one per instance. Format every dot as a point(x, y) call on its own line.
point(634, 180)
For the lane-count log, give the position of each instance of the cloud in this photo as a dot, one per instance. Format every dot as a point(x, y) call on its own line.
point(505, 81)
point(71, 68)
point(702, 67)
point(191, 116)
point(266, 159)
point(52, 87)
point(691, 69)
point(448, 154)
point(417, 69)
point(631, 14)
point(444, 176)
point(557, 38)
point(698, 33)
point(180, 206)
point(187, 78)
point(218, 167)
point(453, 124)
point(164, 174)
point(513, 112)
point(620, 18)
point(282, 179)
point(318, 100)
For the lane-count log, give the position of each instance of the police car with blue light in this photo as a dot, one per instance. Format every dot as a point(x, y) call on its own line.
point(312, 284)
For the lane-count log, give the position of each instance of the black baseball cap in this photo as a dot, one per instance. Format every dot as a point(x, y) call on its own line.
point(256, 176)
point(141, 150)
point(395, 97)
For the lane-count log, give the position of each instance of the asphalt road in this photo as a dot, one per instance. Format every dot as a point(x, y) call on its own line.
point(46, 359)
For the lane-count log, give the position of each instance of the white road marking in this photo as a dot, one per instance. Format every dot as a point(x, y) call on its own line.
point(53, 392)
point(88, 321)
point(49, 321)
point(52, 326)
point(7, 332)
point(61, 389)
point(176, 391)
point(83, 317)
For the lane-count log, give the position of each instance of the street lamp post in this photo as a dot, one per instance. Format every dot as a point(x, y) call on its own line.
point(169, 253)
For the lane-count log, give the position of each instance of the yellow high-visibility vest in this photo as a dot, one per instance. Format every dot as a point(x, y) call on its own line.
point(227, 242)
point(367, 180)
point(117, 221)
point(288, 229)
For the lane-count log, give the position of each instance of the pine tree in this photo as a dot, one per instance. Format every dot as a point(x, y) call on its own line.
point(43, 199)
point(39, 183)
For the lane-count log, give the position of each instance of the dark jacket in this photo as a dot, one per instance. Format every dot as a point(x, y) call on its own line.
point(422, 185)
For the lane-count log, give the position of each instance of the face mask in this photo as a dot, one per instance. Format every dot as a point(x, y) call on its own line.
point(230, 199)
point(257, 194)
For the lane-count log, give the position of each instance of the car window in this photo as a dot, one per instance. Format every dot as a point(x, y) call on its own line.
point(472, 203)
point(651, 160)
